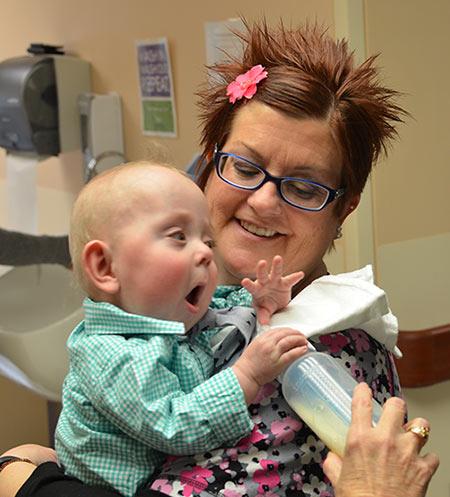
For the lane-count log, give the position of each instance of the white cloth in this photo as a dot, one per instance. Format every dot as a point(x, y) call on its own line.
point(339, 302)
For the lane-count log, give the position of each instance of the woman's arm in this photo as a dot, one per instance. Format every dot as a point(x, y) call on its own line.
point(384, 460)
point(15, 474)
point(43, 477)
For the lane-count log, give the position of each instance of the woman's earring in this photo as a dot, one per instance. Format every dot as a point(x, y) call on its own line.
point(339, 232)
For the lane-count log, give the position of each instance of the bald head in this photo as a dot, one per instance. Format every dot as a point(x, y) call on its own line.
point(114, 197)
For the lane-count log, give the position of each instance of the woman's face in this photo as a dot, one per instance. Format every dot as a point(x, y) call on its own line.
point(250, 226)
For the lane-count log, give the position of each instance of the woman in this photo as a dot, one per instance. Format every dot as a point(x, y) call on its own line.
point(295, 106)
point(290, 137)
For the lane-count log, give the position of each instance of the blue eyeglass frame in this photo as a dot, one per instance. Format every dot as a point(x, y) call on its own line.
point(278, 180)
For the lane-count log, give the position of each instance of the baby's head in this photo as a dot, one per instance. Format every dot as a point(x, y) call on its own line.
point(141, 239)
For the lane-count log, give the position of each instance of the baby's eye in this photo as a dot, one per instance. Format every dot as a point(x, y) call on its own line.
point(210, 243)
point(179, 235)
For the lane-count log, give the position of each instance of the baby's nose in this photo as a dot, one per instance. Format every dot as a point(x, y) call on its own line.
point(204, 254)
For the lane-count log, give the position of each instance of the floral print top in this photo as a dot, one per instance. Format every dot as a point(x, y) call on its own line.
point(282, 456)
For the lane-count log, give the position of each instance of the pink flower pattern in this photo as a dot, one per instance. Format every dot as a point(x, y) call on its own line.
point(268, 476)
point(162, 485)
point(285, 430)
point(335, 341)
point(254, 437)
point(194, 479)
point(245, 84)
point(357, 372)
point(361, 339)
point(298, 479)
point(265, 392)
point(231, 493)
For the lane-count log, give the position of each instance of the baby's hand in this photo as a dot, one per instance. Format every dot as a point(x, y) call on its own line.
point(271, 290)
point(266, 357)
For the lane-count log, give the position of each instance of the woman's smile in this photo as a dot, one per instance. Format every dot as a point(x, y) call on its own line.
point(257, 230)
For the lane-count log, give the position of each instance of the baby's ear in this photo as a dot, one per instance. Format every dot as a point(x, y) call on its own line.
point(97, 264)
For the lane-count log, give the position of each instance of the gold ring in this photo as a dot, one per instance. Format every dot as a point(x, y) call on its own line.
point(421, 431)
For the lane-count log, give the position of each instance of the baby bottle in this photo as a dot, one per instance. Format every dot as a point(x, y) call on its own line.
point(320, 391)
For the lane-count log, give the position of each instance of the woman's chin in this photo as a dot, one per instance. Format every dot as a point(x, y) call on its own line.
point(234, 272)
point(240, 252)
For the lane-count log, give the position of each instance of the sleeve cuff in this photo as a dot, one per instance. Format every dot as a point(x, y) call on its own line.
point(224, 402)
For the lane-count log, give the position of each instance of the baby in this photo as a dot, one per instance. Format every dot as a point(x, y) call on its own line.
point(141, 380)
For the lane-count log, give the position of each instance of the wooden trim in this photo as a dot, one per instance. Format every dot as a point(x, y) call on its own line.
point(426, 359)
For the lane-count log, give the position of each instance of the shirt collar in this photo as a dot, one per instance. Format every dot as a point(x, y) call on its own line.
point(103, 318)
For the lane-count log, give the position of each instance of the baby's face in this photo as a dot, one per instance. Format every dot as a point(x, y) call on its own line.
point(162, 254)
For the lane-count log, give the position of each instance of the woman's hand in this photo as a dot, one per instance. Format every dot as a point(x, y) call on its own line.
point(266, 357)
point(271, 291)
point(381, 461)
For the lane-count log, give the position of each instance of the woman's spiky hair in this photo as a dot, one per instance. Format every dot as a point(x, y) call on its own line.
point(310, 76)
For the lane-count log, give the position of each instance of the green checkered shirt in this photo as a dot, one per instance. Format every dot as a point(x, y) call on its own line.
point(139, 388)
point(229, 295)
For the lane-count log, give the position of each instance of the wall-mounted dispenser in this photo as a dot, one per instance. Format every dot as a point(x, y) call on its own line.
point(101, 132)
point(38, 118)
point(38, 103)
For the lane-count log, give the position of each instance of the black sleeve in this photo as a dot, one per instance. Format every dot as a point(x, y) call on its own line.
point(18, 249)
point(49, 480)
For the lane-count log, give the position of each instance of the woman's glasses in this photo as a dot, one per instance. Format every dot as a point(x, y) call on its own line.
point(300, 193)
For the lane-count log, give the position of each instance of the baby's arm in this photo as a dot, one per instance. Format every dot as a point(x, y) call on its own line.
point(271, 291)
point(174, 409)
point(266, 357)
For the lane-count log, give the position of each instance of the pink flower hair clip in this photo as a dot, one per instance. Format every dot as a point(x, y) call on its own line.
point(245, 84)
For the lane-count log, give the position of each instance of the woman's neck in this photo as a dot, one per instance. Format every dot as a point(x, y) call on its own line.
point(320, 270)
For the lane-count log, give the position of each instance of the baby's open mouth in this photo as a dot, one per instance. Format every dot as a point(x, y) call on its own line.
point(194, 295)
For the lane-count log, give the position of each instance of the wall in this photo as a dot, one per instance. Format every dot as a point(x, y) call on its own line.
point(23, 417)
point(104, 33)
point(411, 203)
point(411, 188)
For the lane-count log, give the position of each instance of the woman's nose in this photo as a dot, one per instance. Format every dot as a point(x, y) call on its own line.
point(266, 200)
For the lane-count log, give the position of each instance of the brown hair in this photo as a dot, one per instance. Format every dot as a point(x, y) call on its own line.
point(309, 76)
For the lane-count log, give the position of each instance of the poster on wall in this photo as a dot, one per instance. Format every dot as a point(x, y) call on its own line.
point(156, 88)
